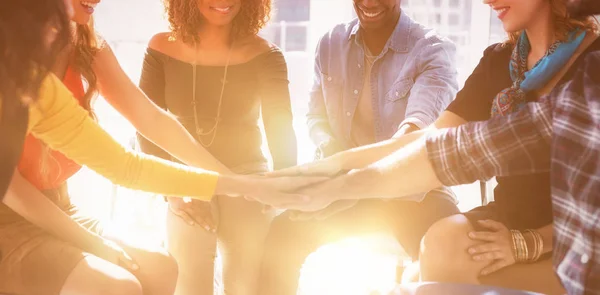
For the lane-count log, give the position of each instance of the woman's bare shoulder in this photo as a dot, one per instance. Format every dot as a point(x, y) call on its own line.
point(166, 43)
point(254, 46)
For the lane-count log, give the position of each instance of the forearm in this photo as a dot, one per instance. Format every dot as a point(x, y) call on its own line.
point(148, 118)
point(27, 201)
point(389, 178)
point(167, 133)
point(279, 129)
point(509, 145)
point(360, 157)
point(434, 87)
point(283, 147)
point(59, 121)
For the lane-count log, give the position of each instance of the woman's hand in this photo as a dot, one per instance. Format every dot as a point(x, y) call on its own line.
point(496, 247)
point(326, 167)
point(356, 185)
point(277, 192)
point(321, 195)
point(193, 212)
point(113, 253)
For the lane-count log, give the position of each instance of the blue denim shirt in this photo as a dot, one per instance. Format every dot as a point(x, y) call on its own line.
point(413, 79)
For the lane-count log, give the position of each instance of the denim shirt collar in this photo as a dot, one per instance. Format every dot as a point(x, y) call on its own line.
point(398, 40)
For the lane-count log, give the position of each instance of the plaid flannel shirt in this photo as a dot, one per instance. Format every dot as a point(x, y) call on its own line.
point(565, 126)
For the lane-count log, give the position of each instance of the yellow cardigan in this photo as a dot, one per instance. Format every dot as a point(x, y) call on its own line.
point(58, 120)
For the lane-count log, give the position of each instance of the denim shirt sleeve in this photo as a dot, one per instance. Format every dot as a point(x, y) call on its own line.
point(317, 119)
point(435, 86)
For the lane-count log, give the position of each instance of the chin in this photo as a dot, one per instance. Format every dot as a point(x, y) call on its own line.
point(219, 23)
point(511, 28)
point(81, 19)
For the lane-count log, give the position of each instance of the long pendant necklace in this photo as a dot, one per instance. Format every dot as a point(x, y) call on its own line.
point(200, 131)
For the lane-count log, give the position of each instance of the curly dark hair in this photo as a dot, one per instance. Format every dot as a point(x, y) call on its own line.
point(185, 19)
point(26, 55)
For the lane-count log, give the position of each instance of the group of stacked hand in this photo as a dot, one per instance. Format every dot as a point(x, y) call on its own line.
point(313, 190)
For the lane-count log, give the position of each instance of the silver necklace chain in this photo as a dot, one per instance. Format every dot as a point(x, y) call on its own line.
point(199, 131)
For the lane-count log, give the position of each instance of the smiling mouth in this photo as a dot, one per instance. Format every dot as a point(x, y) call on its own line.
point(89, 6)
point(222, 9)
point(501, 11)
point(371, 14)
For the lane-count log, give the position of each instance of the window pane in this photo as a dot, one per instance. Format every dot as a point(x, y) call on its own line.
point(296, 38)
point(497, 33)
point(451, 18)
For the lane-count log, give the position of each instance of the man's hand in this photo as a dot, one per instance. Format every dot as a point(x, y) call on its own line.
point(329, 148)
point(193, 212)
point(330, 166)
point(277, 192)
point(320, 195)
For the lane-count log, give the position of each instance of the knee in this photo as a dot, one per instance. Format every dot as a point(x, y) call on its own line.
point(165, 276)
point(286, 245)
point(171, 269)
point(124, 286)
point(285, 238)
point(444, 243)
point(94, 275)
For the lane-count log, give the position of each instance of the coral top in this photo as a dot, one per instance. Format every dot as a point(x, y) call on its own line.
point(44, 168)
point(59, 121)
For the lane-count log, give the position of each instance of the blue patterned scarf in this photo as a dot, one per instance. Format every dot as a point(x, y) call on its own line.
point(513, 98)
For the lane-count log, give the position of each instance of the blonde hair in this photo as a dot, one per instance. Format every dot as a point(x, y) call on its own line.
point(563, 23)
point(87, 44)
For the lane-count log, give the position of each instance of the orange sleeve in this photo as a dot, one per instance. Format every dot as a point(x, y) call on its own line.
point(64, 126)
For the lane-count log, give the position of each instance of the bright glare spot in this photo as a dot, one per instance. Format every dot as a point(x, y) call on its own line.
point(361, 265)
point(365, 265)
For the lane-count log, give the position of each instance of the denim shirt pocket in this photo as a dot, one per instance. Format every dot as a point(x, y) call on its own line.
point(399, 90)
point(333, 95)
point(396, 102)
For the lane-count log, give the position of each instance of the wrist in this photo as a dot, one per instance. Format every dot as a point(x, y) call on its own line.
point(406, 128)
point(347, 160)
point(328, 147)
point(91, 242)
point(232, 185)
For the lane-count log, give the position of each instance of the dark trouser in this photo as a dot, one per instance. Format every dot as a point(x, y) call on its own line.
point(290, 242)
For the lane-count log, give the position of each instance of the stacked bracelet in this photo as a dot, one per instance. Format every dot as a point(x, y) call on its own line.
point(520, 248)
point(538, 243)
